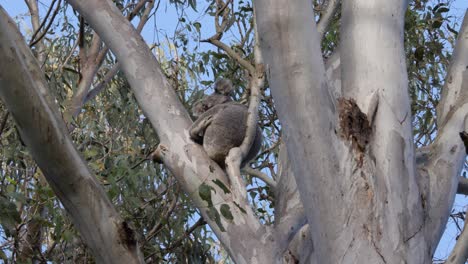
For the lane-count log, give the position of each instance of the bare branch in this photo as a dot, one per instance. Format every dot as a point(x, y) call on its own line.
point(107, 78)
point(236, 155)
point(200, 177)
point(93, 60)
point(220, 28)
point(35, 41)
point(447, 153)
point(327, 16)
point(34, 11)
point(26, 95)
point(236, 56)
point(262, 176)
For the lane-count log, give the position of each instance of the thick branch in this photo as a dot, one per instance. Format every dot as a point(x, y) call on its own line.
point(187, 160)
point(452, 91)
point(92, 62)
point(289, 212)
point(291, 49)
point(25, 93)
point(448, 151)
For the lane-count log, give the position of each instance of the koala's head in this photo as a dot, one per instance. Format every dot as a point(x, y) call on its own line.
point(222, 94)
point(209, 102)
point(223, 87)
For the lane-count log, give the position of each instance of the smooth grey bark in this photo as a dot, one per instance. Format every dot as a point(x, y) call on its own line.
point(24, 91)
point(374, 75)
point(31, 235)
point(448, 152)
point(307, 114)
point(292, 233)
point(459, 254)
point(383, 211)
point(244, 237)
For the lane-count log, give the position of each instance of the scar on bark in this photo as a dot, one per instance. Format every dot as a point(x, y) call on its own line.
point(354, 126)
point(127, 236)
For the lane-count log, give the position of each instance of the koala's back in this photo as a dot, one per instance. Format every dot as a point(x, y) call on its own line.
point(209, 102)
point(227, 130)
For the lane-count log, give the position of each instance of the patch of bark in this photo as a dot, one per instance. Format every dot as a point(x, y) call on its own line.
point(354, 126)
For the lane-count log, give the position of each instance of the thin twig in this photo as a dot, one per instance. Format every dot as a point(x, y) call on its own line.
point(32, 43)
point(236, 56)
point(262, 176)
point(459, 254)
point(43, 21)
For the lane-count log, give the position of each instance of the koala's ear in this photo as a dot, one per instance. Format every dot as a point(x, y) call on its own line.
point(224, 87)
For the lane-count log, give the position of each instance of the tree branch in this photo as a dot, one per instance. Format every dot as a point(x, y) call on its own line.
point(35, 41)
point(327, 16)
point(262, 176)
point(220, 28)
point(92, 62)
point(447, 153)
point(236, 155)
point(305, 109)
point(26, 95)
point(459, 254)
point(200, 177)
point(236, 56)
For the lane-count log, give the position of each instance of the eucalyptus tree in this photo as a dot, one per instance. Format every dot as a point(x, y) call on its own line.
point(339, 100)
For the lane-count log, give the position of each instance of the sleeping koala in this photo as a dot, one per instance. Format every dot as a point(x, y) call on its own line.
point(221, 124)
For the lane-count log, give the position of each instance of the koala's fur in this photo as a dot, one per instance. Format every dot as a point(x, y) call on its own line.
point(221, 125)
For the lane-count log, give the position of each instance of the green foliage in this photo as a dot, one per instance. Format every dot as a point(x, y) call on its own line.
point(9, 216)
point(428, 43)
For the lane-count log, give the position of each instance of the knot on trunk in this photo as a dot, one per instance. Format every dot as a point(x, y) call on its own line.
point(354, 125)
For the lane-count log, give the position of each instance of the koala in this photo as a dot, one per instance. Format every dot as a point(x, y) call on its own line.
point(221, 125)
point(223, 91)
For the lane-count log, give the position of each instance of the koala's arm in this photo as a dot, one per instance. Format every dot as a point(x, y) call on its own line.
point(197, 130)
